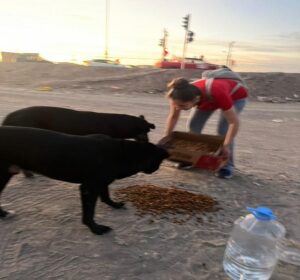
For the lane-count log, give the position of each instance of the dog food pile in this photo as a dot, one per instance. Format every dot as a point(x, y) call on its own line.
point(171, 203)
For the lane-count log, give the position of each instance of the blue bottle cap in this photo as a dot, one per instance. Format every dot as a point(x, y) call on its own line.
point(262, 213)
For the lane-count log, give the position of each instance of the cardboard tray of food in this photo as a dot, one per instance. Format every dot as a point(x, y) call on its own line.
point(199, 150)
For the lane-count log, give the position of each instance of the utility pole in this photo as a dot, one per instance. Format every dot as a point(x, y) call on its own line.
point(163, 44)
point(106, 29)
point(228, 60)
point(188, 37)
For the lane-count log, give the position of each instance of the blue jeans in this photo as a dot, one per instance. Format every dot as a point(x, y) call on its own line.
point(198, 118)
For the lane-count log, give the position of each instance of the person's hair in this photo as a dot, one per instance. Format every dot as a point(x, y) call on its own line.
point(180, 89)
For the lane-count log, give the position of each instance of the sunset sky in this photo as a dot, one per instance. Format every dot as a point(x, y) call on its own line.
point(266, 32)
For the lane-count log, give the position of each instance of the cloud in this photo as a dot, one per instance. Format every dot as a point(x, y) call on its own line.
point(290, 36)
point(276, 47)
point(284, 43)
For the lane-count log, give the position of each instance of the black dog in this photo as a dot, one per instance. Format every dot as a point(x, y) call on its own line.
point(93, 161)
point(81, 122)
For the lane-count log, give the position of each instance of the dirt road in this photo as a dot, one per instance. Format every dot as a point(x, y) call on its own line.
point(45, 240)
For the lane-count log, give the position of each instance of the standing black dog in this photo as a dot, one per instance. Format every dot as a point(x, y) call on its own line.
point(81, 122)
point(92, 161)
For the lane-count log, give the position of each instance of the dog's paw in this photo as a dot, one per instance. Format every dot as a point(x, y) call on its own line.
point(95, 228)
point(113, 204)
point(118, 205)
point(99, 229)
point(3, 213)
point(6, 214)
point(28, 174)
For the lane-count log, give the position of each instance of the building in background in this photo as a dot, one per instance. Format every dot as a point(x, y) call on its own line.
point(12, 57)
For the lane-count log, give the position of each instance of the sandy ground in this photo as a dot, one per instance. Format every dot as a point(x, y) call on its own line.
point(270, 87)
point(45, 240)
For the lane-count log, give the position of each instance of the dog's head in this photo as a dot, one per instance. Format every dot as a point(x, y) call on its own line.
point(141, 157)
point(152, 157)
point(143, 137)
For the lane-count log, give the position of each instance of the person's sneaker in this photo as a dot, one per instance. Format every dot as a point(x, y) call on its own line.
point(224, 173)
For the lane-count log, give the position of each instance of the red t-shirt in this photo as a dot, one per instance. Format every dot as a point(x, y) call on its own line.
point(220, 92)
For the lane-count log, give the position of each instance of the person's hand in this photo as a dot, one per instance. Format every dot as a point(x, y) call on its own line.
point(225, 152)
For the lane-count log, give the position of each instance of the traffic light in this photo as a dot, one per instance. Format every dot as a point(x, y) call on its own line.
point(190, 36)
point(185, 22)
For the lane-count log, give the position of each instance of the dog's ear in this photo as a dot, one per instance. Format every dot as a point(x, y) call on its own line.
point(151, 125)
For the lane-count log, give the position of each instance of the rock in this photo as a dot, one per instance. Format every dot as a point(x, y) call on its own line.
point(263, 98)
point(277, 120)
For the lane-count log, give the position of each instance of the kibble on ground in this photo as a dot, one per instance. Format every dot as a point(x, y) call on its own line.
point(174, 203)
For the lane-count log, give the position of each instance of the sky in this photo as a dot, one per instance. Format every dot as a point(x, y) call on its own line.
point(266, 33)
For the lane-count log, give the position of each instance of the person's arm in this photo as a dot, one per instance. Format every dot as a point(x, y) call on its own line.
point(172, 119)
point(233, 127)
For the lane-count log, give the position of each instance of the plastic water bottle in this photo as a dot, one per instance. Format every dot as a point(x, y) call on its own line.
point(251, 249)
